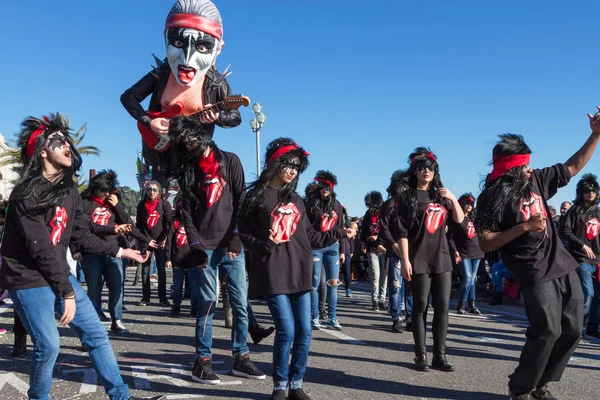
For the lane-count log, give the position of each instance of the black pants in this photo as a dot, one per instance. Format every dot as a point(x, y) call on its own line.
point(346, 271)
point(440, 286)
point(162, 275)
point(18, 327)
point(555, 313)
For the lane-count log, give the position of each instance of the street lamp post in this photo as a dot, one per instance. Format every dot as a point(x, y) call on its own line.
point(255, 125)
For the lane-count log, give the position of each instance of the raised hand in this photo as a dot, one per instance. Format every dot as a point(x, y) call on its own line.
point(595, 121)
point(113, 200)
point(446, 194)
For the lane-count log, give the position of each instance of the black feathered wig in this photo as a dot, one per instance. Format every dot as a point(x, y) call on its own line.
point(373, 200)
point(33, 185)
point(280, 152)
point(398, 183)
point(316, 205)
point(587, 183)
point(103, 181)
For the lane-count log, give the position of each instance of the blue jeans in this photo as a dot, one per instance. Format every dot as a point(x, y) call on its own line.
point(378, 276)
point(468, 271)
point(251, 317)
point(161, 259)
point(80, 274)
point(37, 308)
point(291, 314)
point(235, 272)
point(499, 273)
point(330, 257)
point(98, 269)
point(395, 288)
point(178, 277)
point(585, 272)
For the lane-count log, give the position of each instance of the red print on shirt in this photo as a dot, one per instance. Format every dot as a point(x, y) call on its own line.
point(101, 216)
point(328, 221)
point(591, 228)
point(532, 206)
point(58, 224)
point(470, 230)
point(374, 224)
point(213, 188)
point(152, 219)
point(285, 219)
point(435, 215)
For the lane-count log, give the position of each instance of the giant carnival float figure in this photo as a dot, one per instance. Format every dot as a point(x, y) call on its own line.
point(187, 83)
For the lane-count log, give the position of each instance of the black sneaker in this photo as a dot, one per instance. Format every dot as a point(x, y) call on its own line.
point(408, 327)
point(258, 333)
point(165, 303)
point(278, 395)
point(375, 306)
point(542, 394)
point(203, 372)
point(382, 306)
point(242, 366)
point(118, 327)
point(159, 397)
point(297, 394)
point(175, 310)
point(194, 313)
point(397, 326)
point(103, 317)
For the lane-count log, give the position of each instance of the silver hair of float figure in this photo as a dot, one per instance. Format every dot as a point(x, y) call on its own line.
point(255, 125)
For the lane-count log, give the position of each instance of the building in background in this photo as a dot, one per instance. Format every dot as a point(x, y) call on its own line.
point(7, 175)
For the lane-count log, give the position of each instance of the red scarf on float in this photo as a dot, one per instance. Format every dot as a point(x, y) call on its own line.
point(151, 205)
point(98, 201)
point(209, 164)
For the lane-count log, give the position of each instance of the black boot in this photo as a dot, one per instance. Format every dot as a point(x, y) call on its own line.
point(421, 358)
point(497, 299)
point(460, 309)
point(473, 308)
point(258, 333)
point(20, 346)
point(439, 361)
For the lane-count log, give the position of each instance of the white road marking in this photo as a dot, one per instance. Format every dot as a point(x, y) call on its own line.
point(230, 383)
point(184, 396)
point(15, 382)
point(90, 379)
point(140, 378)
point(343, 336)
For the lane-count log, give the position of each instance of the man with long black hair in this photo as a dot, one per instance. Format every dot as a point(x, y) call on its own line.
point(44, 218)
point(512, 218)
point(581, 228)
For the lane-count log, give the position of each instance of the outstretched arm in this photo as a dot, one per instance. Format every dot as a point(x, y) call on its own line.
point(583, 155)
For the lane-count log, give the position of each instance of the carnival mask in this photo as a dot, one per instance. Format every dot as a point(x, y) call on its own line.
point(190, 53)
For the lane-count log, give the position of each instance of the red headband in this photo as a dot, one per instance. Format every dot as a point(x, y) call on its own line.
point(194, 21)
point(283, 150)
point(468, 199)
point(31, 143)
point(428, 155)
point(326, 181)
point(503, 164)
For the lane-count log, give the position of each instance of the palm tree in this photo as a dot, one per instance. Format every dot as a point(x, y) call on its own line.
point(13, 157)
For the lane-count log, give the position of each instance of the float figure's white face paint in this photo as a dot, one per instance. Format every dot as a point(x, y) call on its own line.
point(190, 53)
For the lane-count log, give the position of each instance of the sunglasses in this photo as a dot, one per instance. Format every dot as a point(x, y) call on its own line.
point(150, 190)
point(421, 169)
point(287, 168)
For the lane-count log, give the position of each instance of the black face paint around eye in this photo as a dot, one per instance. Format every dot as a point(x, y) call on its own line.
point(56, 142)
point(177, 38)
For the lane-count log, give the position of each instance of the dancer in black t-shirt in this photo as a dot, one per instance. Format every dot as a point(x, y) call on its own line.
point(423, 211)
point(512, 218)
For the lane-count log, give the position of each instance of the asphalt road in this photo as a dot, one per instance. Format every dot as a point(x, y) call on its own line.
point(364, 361)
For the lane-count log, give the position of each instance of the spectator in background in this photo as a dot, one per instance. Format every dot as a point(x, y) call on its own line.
point(499, 274)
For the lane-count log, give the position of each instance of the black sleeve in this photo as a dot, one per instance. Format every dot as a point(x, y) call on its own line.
point(227, 118)
point(364, 227)
point(169, 245)
point(385, 237)
point(139, 217)
point(450, 235)
point(318, 240)
point(133, 96)
point(187, 211)
point(238, 189)
point(84, 240)
point(121, 217)
point(339, 225)
point(248, 234)
point(566, 230)
point(103, 230)
point(550, 179)
point(37, 241)
point(402, 214)
point(167, 221)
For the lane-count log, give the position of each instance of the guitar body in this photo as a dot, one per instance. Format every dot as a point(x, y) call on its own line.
point(157, 142)
point(161, 143)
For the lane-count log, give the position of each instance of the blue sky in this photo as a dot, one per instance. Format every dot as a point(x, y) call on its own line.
point(358, 84)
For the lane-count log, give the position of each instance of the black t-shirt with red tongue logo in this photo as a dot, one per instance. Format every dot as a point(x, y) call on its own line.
point(34, 248)
point(463, 238)
point(427, 242)
point(370, 227)
point(178, 247)
point(156, 225)
point(582, 229)
point(288, 267)
point(328, 221)
point(212, 222)
point(537, 257)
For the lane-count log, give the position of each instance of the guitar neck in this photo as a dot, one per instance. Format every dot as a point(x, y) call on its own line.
point(214, 108)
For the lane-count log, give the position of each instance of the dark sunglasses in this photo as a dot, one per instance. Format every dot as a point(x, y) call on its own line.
point(421, 169)
point(150, 190)
point(289, 167)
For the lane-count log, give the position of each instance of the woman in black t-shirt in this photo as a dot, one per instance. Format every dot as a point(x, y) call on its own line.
point(423, 210)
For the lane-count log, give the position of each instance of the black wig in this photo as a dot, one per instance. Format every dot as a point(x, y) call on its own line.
point(587, 183)
point(373, 200)
point(272, 163)
point(33, 185)
point(499, 194)
point(398, 183)
point(419, 158)
point(184, 131)
point(316, 205)
point(103, 181)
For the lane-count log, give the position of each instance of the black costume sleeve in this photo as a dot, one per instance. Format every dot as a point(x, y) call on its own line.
point(169, 245)
point(319, 240)
point(121, 217)
point(364, 227)
point(238, 189)
point(450, 235)
point(187, 210)
point(402, 215)
point(167, 221)
point(83, 238)
point(551, 179)
point(139, 216)
point(249, 234)
point(566, 230)
point(385, 237)
point(133, 96)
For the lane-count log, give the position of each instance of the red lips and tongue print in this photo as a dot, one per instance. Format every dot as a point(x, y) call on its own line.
point(213, 181)
point(470, 230)
point(101, 215)
point(328, 221)
point(532, 206)
point(374, 224)
point(58, 224)
point(435, 215)
point(180, 237)
point(592, 228)
point(285, 219)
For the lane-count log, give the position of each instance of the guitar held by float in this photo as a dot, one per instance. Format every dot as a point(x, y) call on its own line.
point(161, 143)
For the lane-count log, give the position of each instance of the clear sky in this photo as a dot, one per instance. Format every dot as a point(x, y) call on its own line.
point(358, 84)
